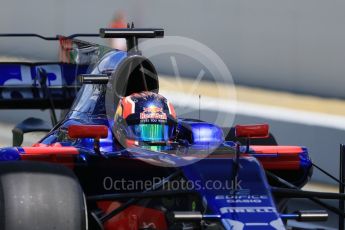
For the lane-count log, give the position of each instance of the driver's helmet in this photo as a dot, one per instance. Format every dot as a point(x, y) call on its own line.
point(145, 118)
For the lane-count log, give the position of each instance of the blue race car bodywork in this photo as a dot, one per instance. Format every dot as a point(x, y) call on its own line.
point(228, 186)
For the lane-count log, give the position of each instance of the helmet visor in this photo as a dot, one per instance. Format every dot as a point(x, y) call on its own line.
point(150, 132)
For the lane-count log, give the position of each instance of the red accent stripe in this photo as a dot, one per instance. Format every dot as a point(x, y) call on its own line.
point(267, 149)
point(52, 154)
point(280, 165)
point(51, 150)
point(287, 157)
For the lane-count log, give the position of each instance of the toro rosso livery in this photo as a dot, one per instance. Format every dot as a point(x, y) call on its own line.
point(121, 158)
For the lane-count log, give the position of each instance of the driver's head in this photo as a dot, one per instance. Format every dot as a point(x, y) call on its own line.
point(144, 118)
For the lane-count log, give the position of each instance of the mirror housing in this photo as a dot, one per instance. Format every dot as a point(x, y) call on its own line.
point(88, 131)
point(29, 125)
point(252, 131)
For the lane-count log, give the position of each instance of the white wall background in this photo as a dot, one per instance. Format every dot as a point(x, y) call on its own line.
point(296, 45)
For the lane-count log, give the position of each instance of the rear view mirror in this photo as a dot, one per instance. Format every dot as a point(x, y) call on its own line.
point(30, 124)
point(252, 131)
point(88, 131)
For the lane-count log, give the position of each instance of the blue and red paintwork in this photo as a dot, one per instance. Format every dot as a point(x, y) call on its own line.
point(248, 206)
point(253, 207)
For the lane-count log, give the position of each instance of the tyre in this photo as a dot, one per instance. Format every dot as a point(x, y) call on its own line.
point(35, 195)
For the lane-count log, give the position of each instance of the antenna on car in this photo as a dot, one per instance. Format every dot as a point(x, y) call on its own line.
point(132, 35)
point(199, 106)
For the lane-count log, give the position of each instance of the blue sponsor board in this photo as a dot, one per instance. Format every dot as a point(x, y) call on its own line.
point(23, 81)
point(17, 74)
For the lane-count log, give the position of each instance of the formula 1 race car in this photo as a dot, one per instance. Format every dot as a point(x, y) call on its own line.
point(142, 167)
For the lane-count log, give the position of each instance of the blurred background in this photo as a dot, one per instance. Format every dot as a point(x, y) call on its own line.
point(287, 58)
